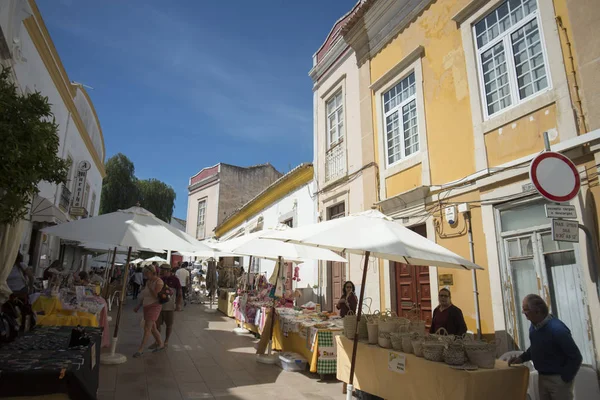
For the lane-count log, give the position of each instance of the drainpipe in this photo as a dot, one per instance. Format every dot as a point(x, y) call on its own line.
point(473, 273)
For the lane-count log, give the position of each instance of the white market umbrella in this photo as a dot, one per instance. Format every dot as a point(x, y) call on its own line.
point(137, 261)
point(255, 245)
point(155, 259)
point(135, 228)
point(373, 233)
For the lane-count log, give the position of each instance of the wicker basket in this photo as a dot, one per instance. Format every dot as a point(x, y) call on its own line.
point(396, 339)
point(363, 332)
point(373, 332)
point(417, 345)
point(417, 326)
point(433, 350)
point(350, 325)
point(454, 353)
point(385, 340)
point(442, 335)
point(407, 339)
point(481, 354)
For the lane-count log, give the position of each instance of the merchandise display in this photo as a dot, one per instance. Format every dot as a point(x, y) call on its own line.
point(43, 356)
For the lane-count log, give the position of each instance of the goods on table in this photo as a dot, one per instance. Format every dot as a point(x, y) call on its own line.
point(396, 339)
point(481, 354)
point(434, 350)
point(372, 329)
point(292, 361)
point(292, 320)
point(407, 339)
point(417, 345)
point(454, 353)
point(385, 340)
point(350, 325)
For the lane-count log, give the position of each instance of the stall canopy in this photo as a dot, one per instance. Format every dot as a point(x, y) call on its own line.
point(154, 259)
point(103, 260)
point(371, 233)
point(254, 245)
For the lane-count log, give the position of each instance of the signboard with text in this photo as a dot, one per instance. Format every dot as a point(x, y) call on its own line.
point(560, 211)
point(80, 178)
point(565, 230)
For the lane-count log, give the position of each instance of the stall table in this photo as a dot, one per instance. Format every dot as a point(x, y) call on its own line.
point(51, 312)
point(40, 363)
point(225, 304)
point(427, 380)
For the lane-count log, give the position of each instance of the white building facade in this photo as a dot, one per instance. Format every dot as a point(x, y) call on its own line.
point(36, 67)
point(288, 201)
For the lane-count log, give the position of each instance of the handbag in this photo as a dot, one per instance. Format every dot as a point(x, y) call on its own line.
point(79, 337)
point(165, 294)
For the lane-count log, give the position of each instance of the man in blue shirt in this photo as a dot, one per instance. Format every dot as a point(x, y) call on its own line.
point(553, 351)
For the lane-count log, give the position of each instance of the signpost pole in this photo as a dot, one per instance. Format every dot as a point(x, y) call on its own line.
point(546, 141)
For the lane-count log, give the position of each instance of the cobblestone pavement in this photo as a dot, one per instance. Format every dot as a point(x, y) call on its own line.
point(205, 360)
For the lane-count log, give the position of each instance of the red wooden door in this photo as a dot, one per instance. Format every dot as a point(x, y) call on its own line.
point(337, 270)
point(289, 274)
point(413, 291)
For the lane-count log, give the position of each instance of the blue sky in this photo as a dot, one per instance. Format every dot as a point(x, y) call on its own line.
point(185, 84)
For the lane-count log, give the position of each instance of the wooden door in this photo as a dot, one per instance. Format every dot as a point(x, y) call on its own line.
point(289, 274)
point(413, 291)
point(337, 270)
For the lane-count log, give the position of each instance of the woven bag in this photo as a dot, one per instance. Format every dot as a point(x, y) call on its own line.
point(417, 326)
point(417, 345)
point(407, 339)
point(385, 340)
point(433, 350)
point(363, 331)
point(454, 353)
point(396, 339)
point(350, 325)
point(373, 331)
point(481, 353)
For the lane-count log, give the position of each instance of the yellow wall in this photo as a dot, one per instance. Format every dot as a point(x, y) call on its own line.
point(445, 88)
point(521, 137)
point(455, 239)
point(407, 180)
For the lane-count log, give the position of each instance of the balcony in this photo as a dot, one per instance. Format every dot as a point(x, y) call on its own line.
point(65, 199)
point(335, 162)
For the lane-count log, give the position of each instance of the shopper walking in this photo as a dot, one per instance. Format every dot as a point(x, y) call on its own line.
point(183, 275)
point(167, 314)
point(137, 280)
point(152, 309)
point(553, 351)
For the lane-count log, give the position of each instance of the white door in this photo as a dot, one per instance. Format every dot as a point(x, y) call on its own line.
point(534, 263)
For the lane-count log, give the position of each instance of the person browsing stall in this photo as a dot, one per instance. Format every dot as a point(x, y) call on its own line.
point(183, 275)
point(152, 309)
point(553, 351)
point(167, 314)
point(348, 302)
point(448, 316)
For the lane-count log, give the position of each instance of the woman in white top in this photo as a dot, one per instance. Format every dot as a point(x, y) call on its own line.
point(152, 309)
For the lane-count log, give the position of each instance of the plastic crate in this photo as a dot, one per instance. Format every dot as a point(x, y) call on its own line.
point(292, 361)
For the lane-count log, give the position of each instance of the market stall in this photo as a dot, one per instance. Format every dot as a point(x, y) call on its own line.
point(67, 308)
point(389, 374)
point(310, 334)
point(41, 363)
point(225, 303)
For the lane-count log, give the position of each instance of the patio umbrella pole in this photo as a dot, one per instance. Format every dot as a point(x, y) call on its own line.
point(107, 274)
point(474, 274)
point(112, 357)
point(268, 358)
point(350, 387)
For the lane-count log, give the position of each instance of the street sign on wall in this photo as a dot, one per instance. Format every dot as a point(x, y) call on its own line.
point(564, 230)
point(555, 177)
point(80, 179)
point(560, 211)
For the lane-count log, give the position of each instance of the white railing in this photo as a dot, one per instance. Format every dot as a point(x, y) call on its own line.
point(335, 162)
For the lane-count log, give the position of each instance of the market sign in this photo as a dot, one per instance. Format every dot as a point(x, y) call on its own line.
point(560, 211)
point(78, 212)
point(80, 179)
point(446, 279)
point(565, 230)
point(397, 362)
point(555, 177)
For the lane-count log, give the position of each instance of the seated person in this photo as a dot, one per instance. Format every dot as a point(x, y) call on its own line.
point(84, 278)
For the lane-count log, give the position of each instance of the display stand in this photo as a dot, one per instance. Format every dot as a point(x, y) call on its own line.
point(270, 358)
point(211, 285)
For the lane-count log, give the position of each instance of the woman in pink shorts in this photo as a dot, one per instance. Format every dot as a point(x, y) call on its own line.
point(152, 309)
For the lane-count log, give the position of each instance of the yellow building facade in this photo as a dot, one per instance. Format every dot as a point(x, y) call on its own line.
point(462, 92)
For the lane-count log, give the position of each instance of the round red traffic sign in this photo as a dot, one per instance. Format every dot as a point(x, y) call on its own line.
point(555, 177)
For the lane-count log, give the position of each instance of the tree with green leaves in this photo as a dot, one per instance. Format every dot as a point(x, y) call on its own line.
point(29, 145)
point(119, 187)
point(157, 197)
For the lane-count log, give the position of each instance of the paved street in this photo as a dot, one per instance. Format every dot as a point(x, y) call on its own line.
point(205, 360)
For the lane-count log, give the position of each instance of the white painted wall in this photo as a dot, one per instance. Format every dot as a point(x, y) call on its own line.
point(31, 76)
point(211, 193)
point(346, 78)
point(298, 204)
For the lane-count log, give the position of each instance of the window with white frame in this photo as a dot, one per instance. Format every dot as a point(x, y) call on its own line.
point(510, 53)
point(400, 124)
point(201, 218)
point(335, 119)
